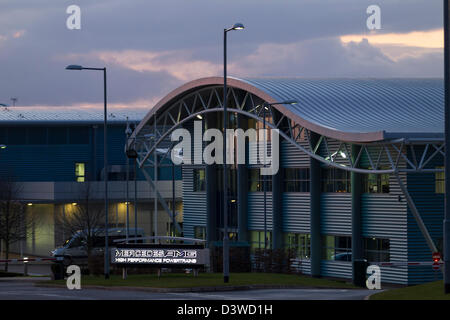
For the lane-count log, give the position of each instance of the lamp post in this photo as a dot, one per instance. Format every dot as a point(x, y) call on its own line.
point(226, 253)
point(447, 152)
point(105, 158)
point(265, 106)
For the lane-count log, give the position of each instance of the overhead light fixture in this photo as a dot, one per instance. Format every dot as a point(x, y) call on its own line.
point(74, 203)
point(29, 204)
point(199, 116)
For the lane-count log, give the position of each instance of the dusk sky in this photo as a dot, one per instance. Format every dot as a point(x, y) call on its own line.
point(152, 46)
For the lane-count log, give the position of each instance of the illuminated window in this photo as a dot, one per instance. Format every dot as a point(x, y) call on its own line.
point(199, 180)
point(80, 171)
point(338, 248)
point(296, 179)
point(257, 239)
point(439, 181)
point(200, 233)
point(376, 183)
point(256, 181)
point(335, 180)
point(300, 243)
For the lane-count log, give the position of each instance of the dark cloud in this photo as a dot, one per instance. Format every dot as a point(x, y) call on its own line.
point(306, 33)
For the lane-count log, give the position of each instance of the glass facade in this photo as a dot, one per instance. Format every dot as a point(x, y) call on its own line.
point(338, 248)
point(375, 183)
point(376, 250)
point(300, 243)
point(199, 180)
point(257, 239)
point(335, 180)
point(296, 179)
point(256, 181)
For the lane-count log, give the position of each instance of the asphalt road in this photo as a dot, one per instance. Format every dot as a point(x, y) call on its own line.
point(26, 290)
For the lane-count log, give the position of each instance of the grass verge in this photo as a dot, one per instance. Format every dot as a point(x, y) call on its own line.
point(427, 291)
point(176, 280)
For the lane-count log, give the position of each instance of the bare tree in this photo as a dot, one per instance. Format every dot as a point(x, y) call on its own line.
point(87, 218)
point(15, 225)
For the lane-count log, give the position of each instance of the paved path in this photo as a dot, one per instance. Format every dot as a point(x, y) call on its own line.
point(22, 289)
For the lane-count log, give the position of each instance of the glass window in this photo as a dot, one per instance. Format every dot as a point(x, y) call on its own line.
point(200, 233)
point(80, 172)
point(256, 181)
point(335, 180)
point(296, 179)
point(439, 181)
point(376, 250)
point(375, 183)
point(257, 239)
point(338, 248)
point(199, 180)
point(300, 243)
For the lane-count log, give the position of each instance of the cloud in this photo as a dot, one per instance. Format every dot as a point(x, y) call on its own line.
point(178, 64)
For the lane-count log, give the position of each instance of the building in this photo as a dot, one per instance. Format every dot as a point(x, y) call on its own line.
point(52, 152)
point(360, 177)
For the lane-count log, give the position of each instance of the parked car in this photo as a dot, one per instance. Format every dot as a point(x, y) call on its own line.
point(74, 250)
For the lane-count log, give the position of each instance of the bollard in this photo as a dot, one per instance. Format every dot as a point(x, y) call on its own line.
point(124, 273)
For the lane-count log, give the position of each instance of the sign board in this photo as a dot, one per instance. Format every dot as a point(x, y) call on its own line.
point(164, 255)
point(436, 266)
point(436, 256)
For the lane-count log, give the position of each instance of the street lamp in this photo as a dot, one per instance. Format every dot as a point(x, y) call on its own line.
point(265, 107)
point(226, 253)
point(105, 158)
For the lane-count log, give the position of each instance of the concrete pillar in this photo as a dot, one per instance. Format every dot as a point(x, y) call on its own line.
point(315, 190)
point(357, 240)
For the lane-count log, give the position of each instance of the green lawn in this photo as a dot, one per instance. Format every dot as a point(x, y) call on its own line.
point(175, 280)
point(428, 291)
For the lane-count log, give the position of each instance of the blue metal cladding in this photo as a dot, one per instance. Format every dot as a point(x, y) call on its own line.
point(431, 208)
point(194, 204)
point(51, 156)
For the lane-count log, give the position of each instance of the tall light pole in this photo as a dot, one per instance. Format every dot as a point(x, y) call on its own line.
point(447, 151)
point(105, 158)
point(226, 253)
point(265, 106)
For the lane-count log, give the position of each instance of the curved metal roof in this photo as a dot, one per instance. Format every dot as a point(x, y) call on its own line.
point(399, 107)
point(354, 110)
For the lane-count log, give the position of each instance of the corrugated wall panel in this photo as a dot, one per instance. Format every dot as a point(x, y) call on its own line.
point(431, 208)
point(256, 210)
point(336, 213)
point(296, 212)
point(291, 156)
point(384, 216)
point(194, 205)
point(338, 269)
